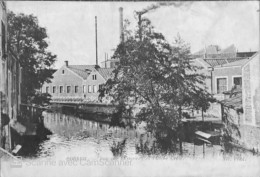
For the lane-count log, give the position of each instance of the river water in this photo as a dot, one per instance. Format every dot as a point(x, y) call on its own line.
point(75, 137)
point(85, 138)
point(81, 147)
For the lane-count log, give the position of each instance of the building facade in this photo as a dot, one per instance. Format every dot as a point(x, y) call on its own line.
point(234, 80)
point(250, 128)
point(223, 71)
point(243, 107)
point(77, 83)
point(223, 68)
point(10, 81)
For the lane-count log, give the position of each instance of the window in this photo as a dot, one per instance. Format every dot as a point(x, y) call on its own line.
point(76, 89)
point(221, 85)
point(94, 88)
point(47, 89)
point(89, 89)
point(63, 71)
point(68, 89)
point(237, 81)
point(84, 89)
point(54, 89)
point(94, 77)
point(100, 87)
point(61, 89)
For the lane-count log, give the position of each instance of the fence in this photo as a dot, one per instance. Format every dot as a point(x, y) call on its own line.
point(30, 113)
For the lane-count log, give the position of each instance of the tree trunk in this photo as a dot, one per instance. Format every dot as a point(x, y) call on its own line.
point(180, 130)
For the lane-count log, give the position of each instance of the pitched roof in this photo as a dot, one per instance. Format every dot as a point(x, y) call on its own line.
point(220, 61)
point(106, 73)
point(82, 70)
point(235, 63)
point(215, 62)
point(245, 54)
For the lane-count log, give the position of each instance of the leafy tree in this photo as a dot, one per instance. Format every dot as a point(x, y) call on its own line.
point(160, 79)
point(29, 41)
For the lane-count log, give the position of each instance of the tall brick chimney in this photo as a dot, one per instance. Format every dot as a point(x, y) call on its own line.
point(121, 24)
point(96, 40)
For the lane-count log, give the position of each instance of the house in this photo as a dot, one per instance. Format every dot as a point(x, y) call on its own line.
point(77, 83)
point(233, 78)
point(244, 106)
point(10, 81)
point(222, 67)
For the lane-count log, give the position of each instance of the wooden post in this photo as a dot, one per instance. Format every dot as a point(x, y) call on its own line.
point(180, 129)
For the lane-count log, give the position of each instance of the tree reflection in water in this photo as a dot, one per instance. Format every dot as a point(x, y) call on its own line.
point(157, 145)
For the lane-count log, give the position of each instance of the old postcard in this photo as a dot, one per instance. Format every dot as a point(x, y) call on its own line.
point(129, 88)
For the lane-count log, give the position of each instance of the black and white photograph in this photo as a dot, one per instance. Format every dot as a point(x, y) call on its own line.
point(129, 88)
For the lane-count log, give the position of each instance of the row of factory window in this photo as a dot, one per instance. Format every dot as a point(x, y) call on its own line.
point(91, 89)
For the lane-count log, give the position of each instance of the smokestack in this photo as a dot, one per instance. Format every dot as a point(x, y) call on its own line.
point(96, 41)
point(105, 60)
point(121, 24)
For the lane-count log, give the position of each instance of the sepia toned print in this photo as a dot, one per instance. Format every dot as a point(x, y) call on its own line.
point(129, 88)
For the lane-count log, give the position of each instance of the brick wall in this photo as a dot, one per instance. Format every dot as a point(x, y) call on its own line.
point(250, 136)
point(251, 91)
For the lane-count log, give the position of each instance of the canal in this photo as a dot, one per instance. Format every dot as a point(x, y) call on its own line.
point(78, 137)
point(78, 147)
point(75, 137)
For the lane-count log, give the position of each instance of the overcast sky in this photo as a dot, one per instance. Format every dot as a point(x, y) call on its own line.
point(71, 25)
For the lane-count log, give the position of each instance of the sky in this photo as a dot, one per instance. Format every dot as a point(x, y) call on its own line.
point(71, 25)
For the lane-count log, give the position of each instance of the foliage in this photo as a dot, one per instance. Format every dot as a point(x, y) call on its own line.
point(118, 148)
point(159, 79)
point(230, 130)
point(41, 99)
point(29, 42)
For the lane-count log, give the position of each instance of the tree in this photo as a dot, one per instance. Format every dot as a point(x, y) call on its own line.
point(29, 41)
point(160, 79)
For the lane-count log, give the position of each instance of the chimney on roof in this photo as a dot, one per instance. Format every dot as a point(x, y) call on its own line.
point(121, 24)
point(66, 63)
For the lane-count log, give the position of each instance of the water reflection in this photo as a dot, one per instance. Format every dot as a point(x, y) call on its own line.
point(95, 139)
point(81, 137)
